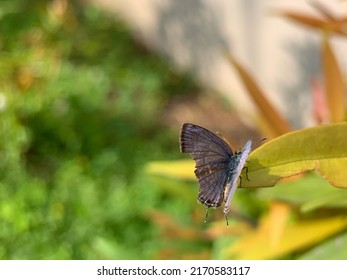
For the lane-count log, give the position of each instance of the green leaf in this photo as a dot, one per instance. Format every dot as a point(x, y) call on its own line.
point(321, 148)
point(311, 192)
point(333, 249)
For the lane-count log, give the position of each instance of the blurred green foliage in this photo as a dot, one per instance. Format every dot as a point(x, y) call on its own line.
point(79, 116)
point(81, 104)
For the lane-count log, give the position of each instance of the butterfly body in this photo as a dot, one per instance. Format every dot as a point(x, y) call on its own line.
point(217, 166)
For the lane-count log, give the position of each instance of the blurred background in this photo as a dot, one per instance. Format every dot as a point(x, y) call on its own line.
point(93, 92)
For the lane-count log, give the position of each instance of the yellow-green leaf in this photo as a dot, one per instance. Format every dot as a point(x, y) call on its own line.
point(310, 192)
point(321, 148)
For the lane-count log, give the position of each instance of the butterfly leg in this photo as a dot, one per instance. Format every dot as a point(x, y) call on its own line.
point(226, 219)
point(246, 172)
point(206, 214)
point(240, 185)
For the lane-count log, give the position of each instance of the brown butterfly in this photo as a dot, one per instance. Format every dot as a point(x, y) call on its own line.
point(217, 168)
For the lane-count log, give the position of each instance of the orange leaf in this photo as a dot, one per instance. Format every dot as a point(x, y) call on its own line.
point(334, 86)
point(278, 124)
point(308, 20)
point(334, 26)
point(324, 10)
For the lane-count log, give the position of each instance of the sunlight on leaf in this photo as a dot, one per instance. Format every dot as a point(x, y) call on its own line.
point(278, 215)
point(183, 169)
point(259, 245)
point(321, 148)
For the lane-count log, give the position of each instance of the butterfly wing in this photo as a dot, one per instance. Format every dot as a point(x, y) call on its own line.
point(212, 155)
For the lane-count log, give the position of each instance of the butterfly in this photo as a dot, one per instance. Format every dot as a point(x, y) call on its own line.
point(217, 168)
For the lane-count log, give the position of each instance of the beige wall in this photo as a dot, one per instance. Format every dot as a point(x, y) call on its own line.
point(282, 56)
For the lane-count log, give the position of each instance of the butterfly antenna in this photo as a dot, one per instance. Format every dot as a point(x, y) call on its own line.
point(262, 140)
